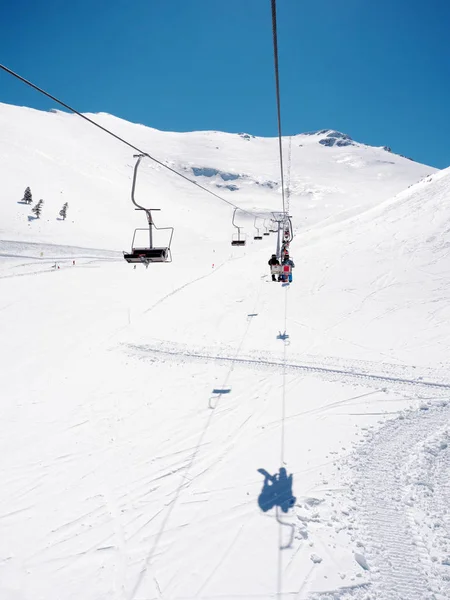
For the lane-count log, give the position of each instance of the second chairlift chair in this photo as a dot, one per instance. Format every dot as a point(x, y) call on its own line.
point(258, 236)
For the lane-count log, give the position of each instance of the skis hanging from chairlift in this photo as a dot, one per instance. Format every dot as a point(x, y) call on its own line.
point(238, 239)
point(148, 253)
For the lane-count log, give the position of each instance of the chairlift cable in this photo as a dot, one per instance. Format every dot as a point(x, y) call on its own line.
point(283, 404)
point(281, 546)
point(277, 87)
point(288, 177)
point(120, 139)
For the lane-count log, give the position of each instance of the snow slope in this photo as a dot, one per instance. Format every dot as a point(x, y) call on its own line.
point(138, 405)
point(65, 159)
point(387, 277)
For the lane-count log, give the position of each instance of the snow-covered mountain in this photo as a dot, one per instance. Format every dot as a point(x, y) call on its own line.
point(140, 408)
point(65, 159)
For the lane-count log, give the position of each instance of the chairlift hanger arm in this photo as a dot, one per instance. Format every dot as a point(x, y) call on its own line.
point(232, 221)
point(133, 187)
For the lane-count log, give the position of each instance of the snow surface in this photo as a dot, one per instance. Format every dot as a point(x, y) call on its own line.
point(138, 404)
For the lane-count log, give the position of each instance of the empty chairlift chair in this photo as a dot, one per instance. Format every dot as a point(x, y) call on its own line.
point(257, 236)
point(147, 253)
point(266, 232)
point(238, 239)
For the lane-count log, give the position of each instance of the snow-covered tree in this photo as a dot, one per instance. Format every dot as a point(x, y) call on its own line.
point(27, 196)
point(63, 211)
point(38, 209)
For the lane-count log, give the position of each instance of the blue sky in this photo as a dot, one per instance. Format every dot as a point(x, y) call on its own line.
point(379, 71)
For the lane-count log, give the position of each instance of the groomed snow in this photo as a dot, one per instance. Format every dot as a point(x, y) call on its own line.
point(138, 404)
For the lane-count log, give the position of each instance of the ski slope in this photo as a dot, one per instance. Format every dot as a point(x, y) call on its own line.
point(138, 405)
point(65, 159)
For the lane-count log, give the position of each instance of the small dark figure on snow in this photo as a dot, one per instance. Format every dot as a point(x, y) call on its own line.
point(272, 262)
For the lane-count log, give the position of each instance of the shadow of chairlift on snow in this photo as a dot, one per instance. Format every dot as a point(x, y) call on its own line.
point(282, 336)
point(277, 493)
point(216, 394)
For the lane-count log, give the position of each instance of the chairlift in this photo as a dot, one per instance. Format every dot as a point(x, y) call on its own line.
point(258, 236)
point(147, 254)
point(237, 239)
point(272, 227)
point(287, 230)
point(277, 491)
point(266, 232)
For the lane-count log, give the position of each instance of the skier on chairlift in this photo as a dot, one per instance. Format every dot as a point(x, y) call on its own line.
point(287, 261)
point(284, 250)
point(273, 262)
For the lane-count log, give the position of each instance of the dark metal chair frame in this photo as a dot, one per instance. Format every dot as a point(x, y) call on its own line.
point(150, 254)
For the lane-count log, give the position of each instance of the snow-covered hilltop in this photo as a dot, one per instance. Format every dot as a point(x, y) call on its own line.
point(65, 159)
point(144, 411)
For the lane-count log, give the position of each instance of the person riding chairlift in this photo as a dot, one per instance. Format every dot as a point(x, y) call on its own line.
point(272, 262)
point(287, 261)
point(284, 250)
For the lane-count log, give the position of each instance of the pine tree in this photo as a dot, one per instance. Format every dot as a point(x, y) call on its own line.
point(27, 196)
point(38, 209)
point(63, 211)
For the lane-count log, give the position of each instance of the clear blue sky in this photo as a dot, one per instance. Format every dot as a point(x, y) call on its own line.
point(378, 70)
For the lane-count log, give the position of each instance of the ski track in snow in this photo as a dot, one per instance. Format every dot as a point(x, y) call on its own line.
point(402, 492)
point(213, 460)
point(319, 369)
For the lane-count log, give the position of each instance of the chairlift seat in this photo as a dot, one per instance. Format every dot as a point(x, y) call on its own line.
point(138, 255)
point(266, 233)
point(238, 239)
point(257, 237)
